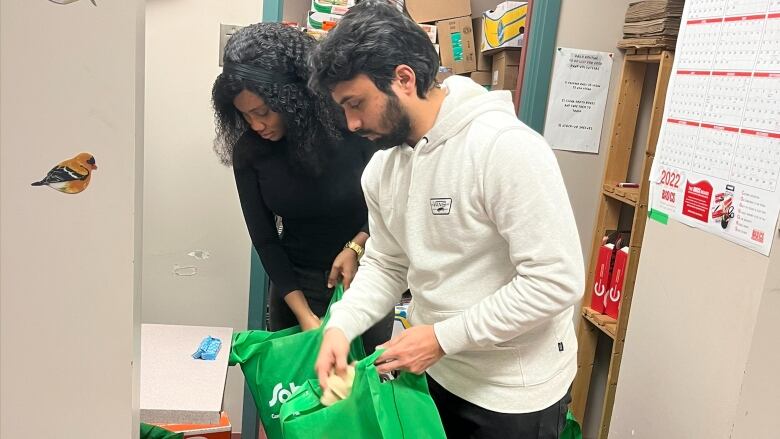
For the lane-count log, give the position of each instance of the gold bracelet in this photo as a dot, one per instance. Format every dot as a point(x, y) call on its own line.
point(357, 248)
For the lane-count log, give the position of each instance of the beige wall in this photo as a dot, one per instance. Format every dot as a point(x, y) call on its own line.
point(190, 200)
point(693, 320)
point(759, 398)
point(296, 11)
point(72, 81)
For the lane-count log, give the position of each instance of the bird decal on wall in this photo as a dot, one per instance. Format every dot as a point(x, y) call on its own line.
point(70, 176)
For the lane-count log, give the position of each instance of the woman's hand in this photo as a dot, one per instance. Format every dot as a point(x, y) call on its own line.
point(303, 313)
point(309, 322)
point(345, 267)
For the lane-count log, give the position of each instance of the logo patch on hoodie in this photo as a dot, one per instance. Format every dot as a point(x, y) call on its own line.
point(441, 206)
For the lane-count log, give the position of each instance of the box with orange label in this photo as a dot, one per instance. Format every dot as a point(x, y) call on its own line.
point(202, 431)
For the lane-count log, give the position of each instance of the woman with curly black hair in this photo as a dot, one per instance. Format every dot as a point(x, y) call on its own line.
point(292, 159)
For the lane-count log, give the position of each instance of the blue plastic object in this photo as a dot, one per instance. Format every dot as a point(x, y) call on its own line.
point(208, 349)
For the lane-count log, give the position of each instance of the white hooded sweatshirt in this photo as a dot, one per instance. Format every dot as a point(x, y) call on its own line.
point(475, 219)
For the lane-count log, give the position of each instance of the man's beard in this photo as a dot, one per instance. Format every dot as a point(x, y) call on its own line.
point(398, 120)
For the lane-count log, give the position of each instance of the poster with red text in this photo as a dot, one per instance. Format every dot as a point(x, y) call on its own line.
point(717, 160)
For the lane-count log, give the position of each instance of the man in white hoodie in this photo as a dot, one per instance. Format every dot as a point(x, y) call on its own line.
point(467, 208)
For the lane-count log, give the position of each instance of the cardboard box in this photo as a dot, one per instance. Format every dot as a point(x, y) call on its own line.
point(430, 29)
point(507, 57)
point(505, 70)
point(222, 430)
point(484, 79)
point(429, 11)
point(484, 60)
point(456, 45)
point(504, 26)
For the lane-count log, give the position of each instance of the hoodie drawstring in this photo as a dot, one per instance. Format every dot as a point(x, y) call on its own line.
point(415, 153)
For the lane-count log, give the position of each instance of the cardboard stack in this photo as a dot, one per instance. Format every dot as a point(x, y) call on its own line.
point(484, 73)
point(448, 23)
point(506, 68)
point(486, 48)
point(652, 23)
point(502, 35)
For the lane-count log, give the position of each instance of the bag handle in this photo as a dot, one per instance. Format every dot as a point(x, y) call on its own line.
point(356, 349)
point(338, 294)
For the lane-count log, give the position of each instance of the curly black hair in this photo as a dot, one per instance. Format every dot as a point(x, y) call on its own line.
point(374, 38)
point(312, 120)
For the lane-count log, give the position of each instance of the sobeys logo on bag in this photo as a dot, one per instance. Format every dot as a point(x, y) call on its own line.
point(281, 395)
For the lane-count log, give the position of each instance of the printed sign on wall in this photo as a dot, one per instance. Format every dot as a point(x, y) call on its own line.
point(578, 98)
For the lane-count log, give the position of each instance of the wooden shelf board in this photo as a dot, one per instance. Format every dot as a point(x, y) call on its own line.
point(605, 323)
point(628, 196)
point(651, 56)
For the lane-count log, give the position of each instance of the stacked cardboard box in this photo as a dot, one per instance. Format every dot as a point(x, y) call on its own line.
point(652, 23)
point(448, 23)
point(431, 11)
point(506, 69)
point(503, 27)
point(486, 48)
point(484, 59)
point(456, 44)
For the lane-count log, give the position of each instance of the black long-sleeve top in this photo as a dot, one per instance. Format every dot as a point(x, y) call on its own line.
point(320, 214)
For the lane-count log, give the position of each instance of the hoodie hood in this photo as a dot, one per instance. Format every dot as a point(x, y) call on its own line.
point(465, 101)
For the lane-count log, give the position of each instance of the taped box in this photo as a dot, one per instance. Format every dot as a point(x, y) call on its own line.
point(456, 45)
point(429, 11)
point(506, 67)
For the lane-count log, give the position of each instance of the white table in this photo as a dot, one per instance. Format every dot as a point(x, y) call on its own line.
point(176, 388)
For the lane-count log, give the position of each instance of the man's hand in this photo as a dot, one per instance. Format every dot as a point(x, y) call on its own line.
point(345, 267)
point(333, 355)
point(414, 350)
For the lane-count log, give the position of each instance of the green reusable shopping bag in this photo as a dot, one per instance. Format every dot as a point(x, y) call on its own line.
point(572, 429)
point(393, 409)
point(154, 432)
point(275, 364)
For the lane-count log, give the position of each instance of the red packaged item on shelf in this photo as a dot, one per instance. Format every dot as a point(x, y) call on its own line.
point(615, 292)
point(602, 278)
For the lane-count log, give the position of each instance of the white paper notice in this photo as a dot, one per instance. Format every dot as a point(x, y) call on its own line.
point(578, 97)
point(717, 161)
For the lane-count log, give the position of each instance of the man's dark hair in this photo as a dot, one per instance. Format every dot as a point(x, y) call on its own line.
point(374, 38)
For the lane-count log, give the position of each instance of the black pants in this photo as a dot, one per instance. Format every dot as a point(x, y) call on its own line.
point(463, 419)
point(314, 284)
